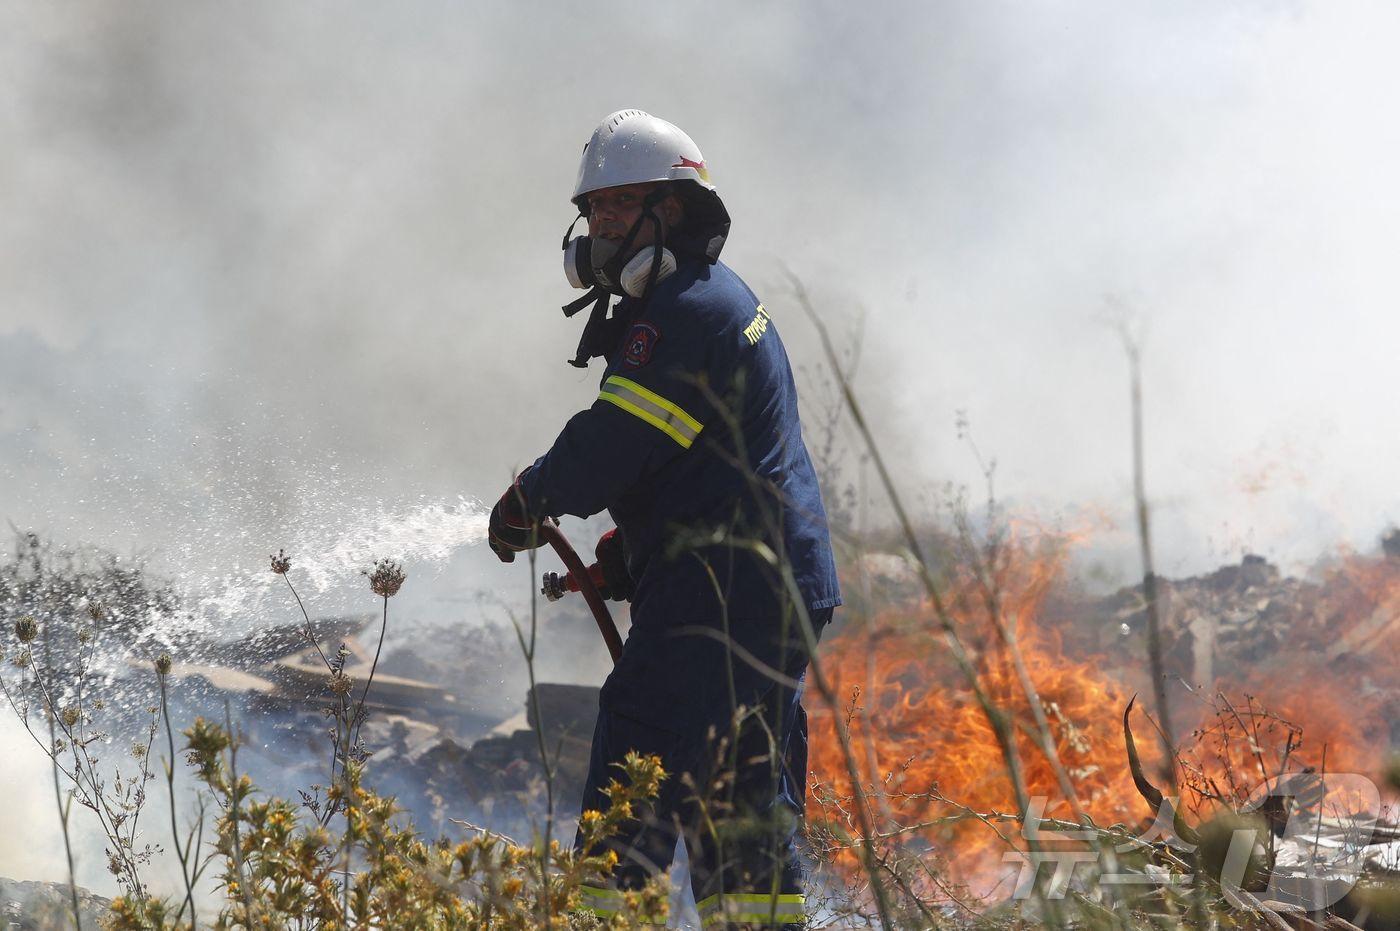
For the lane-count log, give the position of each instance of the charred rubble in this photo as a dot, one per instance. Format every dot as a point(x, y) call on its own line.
point(498, 780)
point(446, 755)
point(38, 906)
point(1249, 616)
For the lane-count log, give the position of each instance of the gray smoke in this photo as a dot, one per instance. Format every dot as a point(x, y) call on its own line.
point(268, 264)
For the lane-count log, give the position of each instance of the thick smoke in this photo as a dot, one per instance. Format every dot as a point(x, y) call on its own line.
point(269, 264)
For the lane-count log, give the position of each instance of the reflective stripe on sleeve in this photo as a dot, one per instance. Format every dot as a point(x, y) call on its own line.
point(665, 416)
point(740, 906)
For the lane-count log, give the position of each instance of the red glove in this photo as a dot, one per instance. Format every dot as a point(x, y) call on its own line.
point(611, 553)
point(511, 530)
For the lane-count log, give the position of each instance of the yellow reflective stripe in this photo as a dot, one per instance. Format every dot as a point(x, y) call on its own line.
point(740, 906)
point(607, 902)
point(651, 407)
point(601, 901)
point(649, 417)
point(658, 400)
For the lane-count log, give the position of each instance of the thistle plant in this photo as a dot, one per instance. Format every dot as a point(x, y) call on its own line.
point(347, 715)
point(280, 871)
point(52, 700)
point(385, 580)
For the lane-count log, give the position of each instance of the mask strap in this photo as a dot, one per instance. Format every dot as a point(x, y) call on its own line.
point(619, 259)
point(624, 251)
point(649, 204)
point(596, 329)
point(570, 231)
point(574, 307)
point(652, 200)
point(655, 255)
point(592, 328)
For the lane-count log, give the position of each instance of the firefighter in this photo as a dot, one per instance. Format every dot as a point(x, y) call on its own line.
point(695, 448)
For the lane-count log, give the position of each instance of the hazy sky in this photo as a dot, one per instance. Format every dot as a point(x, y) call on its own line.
point(276, 273)
point(263, 266)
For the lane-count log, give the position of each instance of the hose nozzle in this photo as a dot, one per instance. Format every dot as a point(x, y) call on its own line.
point(553, 586)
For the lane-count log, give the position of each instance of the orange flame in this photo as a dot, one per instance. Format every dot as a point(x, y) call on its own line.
point(926, 755)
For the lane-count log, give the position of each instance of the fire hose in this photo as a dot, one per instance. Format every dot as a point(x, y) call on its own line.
point(579, 579)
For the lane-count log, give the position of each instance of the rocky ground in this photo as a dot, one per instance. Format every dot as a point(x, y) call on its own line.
point(498, 781)
point(39, 906)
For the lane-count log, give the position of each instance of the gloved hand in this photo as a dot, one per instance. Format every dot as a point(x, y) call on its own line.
point(510, 530)
point(611, 553)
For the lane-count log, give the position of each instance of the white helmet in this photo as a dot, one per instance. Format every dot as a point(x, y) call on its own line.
point(632, 147)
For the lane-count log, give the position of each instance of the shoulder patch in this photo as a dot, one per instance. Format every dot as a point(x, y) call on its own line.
point(638, 346)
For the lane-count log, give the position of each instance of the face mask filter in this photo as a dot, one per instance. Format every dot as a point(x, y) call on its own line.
point(636, 274)
point(585, 259)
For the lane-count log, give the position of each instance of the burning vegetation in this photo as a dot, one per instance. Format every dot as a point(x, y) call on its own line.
point(1269, 676)
point(1033, 791)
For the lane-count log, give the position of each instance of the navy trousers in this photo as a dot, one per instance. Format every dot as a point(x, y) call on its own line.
point(733, 741)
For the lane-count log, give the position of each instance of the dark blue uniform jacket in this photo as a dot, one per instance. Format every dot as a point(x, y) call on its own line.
point(695, 448)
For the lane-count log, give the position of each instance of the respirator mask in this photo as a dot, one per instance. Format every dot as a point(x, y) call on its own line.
point(589, 263)
point(607, 267)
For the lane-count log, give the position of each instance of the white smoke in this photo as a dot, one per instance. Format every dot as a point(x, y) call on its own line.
point(286, 275)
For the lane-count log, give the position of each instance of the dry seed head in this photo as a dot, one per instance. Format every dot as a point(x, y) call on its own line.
point(26, 629)
point(281, 562)
point(70, 716)
point(84, 635)
point(341, 684)
point(23, 660)
point(163, 664)
point(386, 578)
point(96, 611)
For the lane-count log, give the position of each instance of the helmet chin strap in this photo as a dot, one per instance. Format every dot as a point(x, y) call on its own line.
point(601, 332)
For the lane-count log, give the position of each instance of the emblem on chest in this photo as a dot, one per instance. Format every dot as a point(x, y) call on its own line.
point(638, 346)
